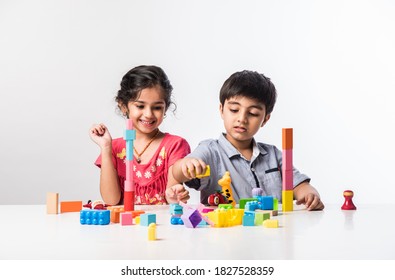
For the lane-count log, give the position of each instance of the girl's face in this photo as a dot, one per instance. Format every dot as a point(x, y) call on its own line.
point(242, 117)
point(147, 112)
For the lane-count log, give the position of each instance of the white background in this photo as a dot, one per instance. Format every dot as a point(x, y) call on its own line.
point(332, 63)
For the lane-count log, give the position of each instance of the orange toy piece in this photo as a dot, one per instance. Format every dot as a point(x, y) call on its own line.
point(225, 183)
point(70, 206)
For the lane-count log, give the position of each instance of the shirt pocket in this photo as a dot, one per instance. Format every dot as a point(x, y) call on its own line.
point(272, 183)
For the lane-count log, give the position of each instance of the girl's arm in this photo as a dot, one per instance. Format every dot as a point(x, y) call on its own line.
point(175, 191)
point(109, 185)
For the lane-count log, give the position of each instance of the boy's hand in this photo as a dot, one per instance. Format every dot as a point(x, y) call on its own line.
point(100, 135)
point(177, 193)
point(311, 201)
point(192, 166)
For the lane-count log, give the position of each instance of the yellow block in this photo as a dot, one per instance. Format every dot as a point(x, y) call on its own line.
point(205, 174)
point(288, 200)
point(152, 232)
point(270, 223)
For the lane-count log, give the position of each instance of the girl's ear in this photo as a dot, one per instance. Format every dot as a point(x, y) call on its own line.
point(124, 109)
point(267, 118)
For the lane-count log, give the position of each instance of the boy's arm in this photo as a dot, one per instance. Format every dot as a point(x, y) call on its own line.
point(187, 168)
point(306, 194)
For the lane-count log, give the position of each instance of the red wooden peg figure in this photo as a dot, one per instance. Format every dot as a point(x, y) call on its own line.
point(348, 204)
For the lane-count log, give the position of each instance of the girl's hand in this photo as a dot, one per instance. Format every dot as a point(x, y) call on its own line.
point(100, 135)
point(177, 193)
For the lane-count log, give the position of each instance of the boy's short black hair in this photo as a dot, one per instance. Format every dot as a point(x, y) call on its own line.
point(250, 84)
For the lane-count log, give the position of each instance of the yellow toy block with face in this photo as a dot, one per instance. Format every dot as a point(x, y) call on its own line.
point(226, 217)
point(225, 183)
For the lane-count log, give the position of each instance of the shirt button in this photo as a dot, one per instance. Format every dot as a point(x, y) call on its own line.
point(252, 169)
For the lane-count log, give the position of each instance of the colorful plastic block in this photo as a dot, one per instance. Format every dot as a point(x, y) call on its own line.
point(287, 138)
point(287, 160)
point(175, 209)
point(267, 203)
point(152, 232)
point(126, 219)
point(176, 220)
point(205, 174)
point(287, 200)
point(270, 223)
point(146, 219)
point(70, 206)
point(260, 217)
point(115, 213)
point(243, 201)
point(129, 134)
point(191, 217)
point(52, 203)
point(288, 180)
point(94, 217)
point(248, 219)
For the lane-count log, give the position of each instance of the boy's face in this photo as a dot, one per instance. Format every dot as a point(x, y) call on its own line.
point(242, 118)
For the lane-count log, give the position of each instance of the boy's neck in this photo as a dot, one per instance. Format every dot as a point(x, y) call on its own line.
point(244, 147)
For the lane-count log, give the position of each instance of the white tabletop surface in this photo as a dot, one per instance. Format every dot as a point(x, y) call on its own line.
point(27, 232)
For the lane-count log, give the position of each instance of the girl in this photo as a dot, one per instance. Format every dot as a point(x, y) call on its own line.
point(144, 97)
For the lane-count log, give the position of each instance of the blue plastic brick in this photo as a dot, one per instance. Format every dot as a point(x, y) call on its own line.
point(146, 219)
point(175, 209)
point(129, 134)
point(176, 220)
point(94, 217)
point(248, 219)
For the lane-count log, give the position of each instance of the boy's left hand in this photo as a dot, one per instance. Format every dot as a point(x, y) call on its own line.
point(311, 201)
point(177, 193)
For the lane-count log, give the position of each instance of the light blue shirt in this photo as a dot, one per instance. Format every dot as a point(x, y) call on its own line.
point(263, 170)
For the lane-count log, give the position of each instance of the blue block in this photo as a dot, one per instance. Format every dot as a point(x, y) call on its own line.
point(146, 219)
point(129, 134)
point(249, 219)
point(94, 217)
point(251, 206)
point(129, 150)
point(176, 220)
point(267, 203)
point(175, 209)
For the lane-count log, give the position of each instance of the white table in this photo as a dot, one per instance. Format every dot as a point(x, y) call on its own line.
point(27, 232)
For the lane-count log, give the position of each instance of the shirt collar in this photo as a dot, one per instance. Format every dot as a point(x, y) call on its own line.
point(231, 151)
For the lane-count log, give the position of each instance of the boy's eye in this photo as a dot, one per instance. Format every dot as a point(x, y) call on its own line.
point(254, 115)
point(233, 110)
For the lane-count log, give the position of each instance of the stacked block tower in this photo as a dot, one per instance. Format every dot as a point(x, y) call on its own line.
point(287, 170)
point(130, 136)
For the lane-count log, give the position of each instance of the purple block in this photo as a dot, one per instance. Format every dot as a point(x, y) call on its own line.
point(191, 218)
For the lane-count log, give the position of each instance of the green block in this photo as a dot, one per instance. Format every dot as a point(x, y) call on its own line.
point(243, 201)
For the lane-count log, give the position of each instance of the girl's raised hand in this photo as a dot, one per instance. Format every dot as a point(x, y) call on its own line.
point(100, 135)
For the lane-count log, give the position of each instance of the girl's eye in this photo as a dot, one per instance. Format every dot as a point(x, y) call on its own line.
point(159, 108)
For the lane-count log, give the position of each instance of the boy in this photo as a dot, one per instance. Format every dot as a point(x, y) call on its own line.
point(247, 99)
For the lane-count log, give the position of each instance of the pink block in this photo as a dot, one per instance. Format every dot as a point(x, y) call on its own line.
point(288, 182)
point(129, 124)
point(129, 186)
point(126, 219)
point(287, 160)
point(129, 170)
